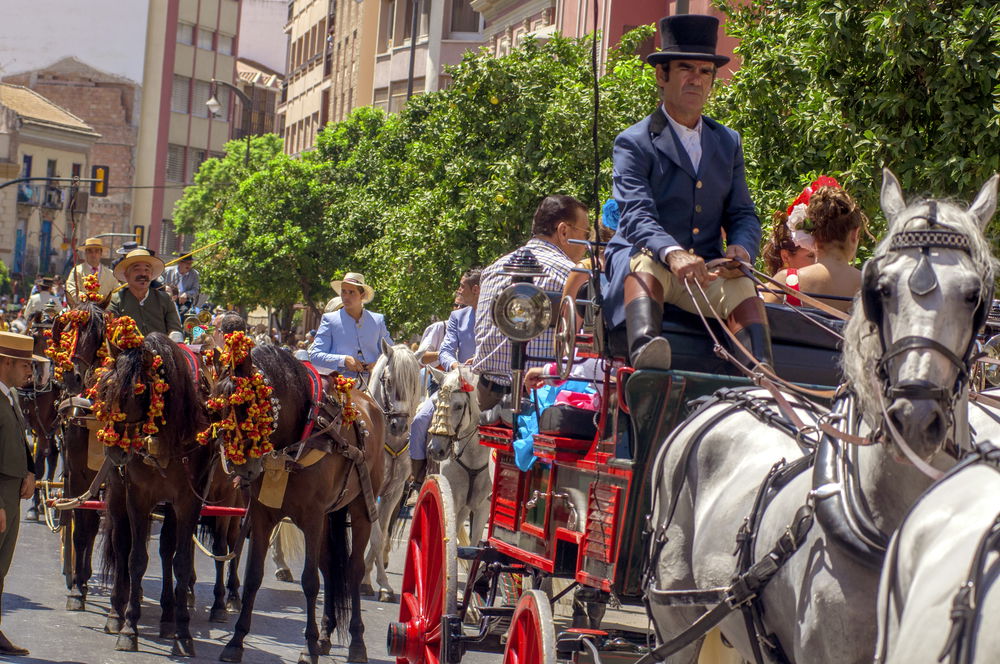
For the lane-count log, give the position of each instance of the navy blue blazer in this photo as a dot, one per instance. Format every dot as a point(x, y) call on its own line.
point(664, 202)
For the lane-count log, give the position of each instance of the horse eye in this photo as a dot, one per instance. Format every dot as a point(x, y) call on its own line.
point(885, 290)
point(972, 297)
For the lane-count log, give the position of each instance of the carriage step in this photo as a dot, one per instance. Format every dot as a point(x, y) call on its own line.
point(469, 552)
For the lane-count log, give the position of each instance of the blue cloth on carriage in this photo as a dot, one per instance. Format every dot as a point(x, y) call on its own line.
point(418, 429)
point(527, 423)
point(339, 335)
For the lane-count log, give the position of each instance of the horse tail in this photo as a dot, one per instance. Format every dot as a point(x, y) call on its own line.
point(338, 581)
point(291, 541)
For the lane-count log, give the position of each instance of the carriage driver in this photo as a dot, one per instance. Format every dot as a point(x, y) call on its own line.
point(680, 182)
point(152, 309)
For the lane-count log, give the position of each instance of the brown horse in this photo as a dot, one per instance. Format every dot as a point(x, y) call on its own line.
point(38, 403)
point(78, 470)
point(318, 499)
point(167, 466)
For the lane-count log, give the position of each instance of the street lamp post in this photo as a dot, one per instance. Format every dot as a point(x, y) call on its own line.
point(214, 107)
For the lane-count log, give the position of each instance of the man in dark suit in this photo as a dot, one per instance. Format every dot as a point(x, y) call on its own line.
point(680, 182)
point(17, 470)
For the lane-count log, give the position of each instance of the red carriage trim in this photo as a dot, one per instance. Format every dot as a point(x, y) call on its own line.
point(316, 393)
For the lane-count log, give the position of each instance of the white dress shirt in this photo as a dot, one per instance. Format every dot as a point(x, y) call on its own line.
point(691, 142)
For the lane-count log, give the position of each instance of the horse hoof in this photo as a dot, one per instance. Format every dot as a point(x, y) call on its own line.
point(127, 642)
point(183, 648)
point(218, 616)
point(113, 625)
point(32, 514)
point(75, 603)
point(367, 590)
point(168, 631)
point(234, 605)
point(357, 653)
point(325, 646)
point(386, 596)
point(231, 654)
point(306, 658)
point(284, 575)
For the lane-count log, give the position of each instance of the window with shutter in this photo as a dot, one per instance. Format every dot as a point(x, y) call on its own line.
point(180, 95)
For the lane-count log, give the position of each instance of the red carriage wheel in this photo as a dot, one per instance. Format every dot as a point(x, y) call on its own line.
point(429, 578)
point(531, 639)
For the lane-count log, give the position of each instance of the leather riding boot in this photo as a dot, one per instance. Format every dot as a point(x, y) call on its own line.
point(748, 322)
point(644, 322)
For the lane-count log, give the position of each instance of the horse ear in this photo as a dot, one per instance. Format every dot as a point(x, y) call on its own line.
point(386, 348)
point(892, 196)
point(437, 374)
point(985, 205)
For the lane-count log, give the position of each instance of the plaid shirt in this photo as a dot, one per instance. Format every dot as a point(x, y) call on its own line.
point(496, 368)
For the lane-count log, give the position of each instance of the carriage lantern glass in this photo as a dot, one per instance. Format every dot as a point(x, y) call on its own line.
point(522, 311)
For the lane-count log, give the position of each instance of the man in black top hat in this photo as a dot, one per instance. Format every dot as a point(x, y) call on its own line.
point(679, 180)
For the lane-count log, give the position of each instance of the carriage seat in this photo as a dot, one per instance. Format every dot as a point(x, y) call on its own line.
point(803, 353)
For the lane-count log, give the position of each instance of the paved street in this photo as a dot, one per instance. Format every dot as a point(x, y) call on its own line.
point(34, 614)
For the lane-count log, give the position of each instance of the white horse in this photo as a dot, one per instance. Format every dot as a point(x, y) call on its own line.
point(930, 562)
point(396, 387)
point(453, 441)
point(906, 356)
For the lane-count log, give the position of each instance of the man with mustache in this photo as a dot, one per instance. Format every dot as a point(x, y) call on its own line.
point(152, 310)
point(680, 181)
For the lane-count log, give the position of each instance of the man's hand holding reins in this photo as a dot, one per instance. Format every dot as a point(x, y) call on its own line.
point(729, 270)
point(686, 266)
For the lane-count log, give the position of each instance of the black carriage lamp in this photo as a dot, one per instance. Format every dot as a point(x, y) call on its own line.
point(215, 108)
point(521, 311)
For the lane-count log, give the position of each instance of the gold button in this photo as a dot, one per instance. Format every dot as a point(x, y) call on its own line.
point(695, 230)
point(697, 208)
point(691, 251)
point(698, 184)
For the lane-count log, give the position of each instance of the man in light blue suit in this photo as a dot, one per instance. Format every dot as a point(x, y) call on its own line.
point(458, 347)
point(348, 340)
point(680, 182)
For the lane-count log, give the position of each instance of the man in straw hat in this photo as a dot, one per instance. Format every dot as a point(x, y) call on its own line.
point(680, 182)
point(42, 299)
point(152, 309)
point(93, 251)
point(17, 469)
point(348, 340)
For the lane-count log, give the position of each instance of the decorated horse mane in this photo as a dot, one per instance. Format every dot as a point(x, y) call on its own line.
point(862, 343)
point(85, 320)
point(153, 371)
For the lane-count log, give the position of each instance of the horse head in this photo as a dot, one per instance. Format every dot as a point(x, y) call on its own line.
point(456, 415)
point(395, 386)
point(925, 295)
point(79, 334)
point(146, 399)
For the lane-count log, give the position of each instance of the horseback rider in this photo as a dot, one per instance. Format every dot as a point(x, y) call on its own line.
point(348, 340)
point(43, 298)
point(93, 251)
point(152, 309)
point(680, 182)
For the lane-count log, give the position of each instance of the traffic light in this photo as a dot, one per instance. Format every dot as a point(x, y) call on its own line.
point(99, 173)
point(140, 233)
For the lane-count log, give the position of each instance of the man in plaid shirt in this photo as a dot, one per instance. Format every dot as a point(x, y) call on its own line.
point(557, 220)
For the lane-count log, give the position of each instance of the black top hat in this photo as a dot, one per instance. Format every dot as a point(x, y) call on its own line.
point(126, 247)
point(688, 37)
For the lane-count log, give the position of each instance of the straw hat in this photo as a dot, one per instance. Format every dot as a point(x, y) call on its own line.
point(139, 256)
point(355, 279)
point(335, 304)
point(18, 346)
point(92, 243)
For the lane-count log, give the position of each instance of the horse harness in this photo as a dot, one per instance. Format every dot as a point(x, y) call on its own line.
point(441, 426)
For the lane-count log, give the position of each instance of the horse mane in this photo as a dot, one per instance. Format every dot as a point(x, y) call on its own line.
point(862, 346)
point(95, 325)
point(288, 378)
point(405, 371)
point(183, 409)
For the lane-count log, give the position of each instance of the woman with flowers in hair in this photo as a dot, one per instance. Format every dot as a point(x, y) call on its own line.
point(825, 216)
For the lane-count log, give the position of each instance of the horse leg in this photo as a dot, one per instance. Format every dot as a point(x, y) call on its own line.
point(233, 602)
point(85, 525)
point(128, 638)
point(219, 548)
point(168, 549)
point(361, 528)
point(120, 544)
point(260, 533)
point(313, 531)
point(187, 521)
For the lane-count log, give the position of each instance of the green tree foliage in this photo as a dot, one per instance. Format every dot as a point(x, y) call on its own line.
point(846, 87)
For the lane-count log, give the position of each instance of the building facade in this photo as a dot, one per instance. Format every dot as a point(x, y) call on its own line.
point(263, 86)
point(108, 104)
point(330, 65)
point(188, 44)
point(446, 31)
point(40, 139)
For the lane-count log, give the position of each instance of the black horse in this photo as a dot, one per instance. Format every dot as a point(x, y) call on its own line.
point(168, 466)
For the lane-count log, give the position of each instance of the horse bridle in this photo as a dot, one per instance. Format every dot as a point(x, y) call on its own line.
point(452, 434)
point(384, 383)
point(922, 281)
